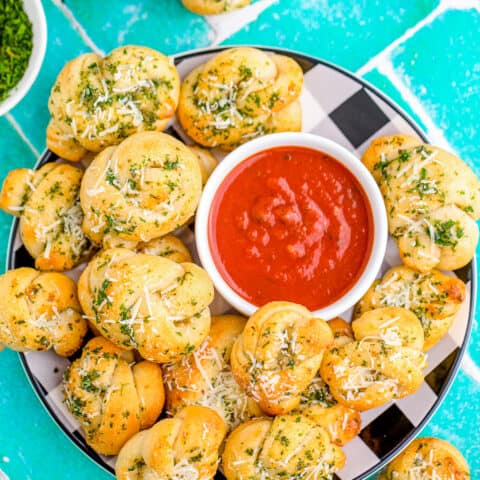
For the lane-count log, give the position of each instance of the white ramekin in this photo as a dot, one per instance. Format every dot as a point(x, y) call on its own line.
point(34, 11)
point(352, 163)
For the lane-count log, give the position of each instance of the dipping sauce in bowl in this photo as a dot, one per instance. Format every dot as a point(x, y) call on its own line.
point(291, 216)
point(290, 223)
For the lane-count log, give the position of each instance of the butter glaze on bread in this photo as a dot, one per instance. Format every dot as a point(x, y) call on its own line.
point(240, 94)
point(287, 446)
point(47, 201)
point(142, 189)
point(432, 200)
point(40, 311)
point(433, 297)
point(111, 395)
point(205, 377)
point(430, 458)
point(146, 302)
point(278, 355)
point(186, 446)
point(98, 101)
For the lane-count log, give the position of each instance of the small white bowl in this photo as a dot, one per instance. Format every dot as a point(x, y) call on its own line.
point(34, 10)
point(352, 163)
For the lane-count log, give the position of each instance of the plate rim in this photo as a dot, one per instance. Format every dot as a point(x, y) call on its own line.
point(93, 456)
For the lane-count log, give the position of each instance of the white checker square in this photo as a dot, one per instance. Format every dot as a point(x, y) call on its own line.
point(56, 403)
point(47, 367)
point(415, 406)
point(312, 112)
point(359, 459)
point(331, 87)
point(439, 352)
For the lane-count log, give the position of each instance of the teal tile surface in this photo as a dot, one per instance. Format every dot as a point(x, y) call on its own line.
point(165, 25)
point(441, 65)
point(31, 446)
point(345, 32)
point(455, 421)
point(385, 86)
point(15, 154)
point(64, 43)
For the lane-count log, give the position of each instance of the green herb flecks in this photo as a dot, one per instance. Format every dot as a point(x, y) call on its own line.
point(448, 233)
point(16, 44)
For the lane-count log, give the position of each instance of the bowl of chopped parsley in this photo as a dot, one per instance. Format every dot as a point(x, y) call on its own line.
point(23, 40)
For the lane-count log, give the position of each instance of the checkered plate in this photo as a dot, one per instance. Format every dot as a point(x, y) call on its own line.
point(343, 108)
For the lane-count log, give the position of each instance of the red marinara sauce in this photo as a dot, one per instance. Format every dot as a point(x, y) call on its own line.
point(290, 223)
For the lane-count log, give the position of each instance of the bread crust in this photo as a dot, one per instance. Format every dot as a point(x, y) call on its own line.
point(434, 297)
point(286, 446)
point(40, 311)
point(214, 7)
point(142, 189)
point(431, 458)
point(185, 446)
point(278, 354)
point(240, 94)
point(147, 302)
point(432, 200)
point(205, 376)
point(96, 102)
point(112, 396)
point(47, 201)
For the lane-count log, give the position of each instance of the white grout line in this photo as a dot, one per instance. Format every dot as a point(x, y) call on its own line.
point(386, 52)
point(21, 134)
point(227, 24)
point(76, 25)
point(441, 8)
point(470, 368)
point(434, 133)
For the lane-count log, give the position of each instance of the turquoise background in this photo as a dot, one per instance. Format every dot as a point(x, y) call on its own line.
point(425, 54)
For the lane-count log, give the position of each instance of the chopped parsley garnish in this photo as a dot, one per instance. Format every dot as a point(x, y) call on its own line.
point(16, 45)
point(102, 294)
point(447, 233)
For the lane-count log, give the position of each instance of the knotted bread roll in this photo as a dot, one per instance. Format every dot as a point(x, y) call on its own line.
point(394, 325)
point(140, 190)
point(40, 311)
point(317, 403)
point(433, 297)
point(206, 161)
point(146, 302)
point(240, 94)
point(205, 377)
point(214, 7)
point(278, 355)
point(97, 102)
point(47, 201)
point(111, 395)
point(428, 458)
point(340, 422)
point(368, 373)
point(288, 446)
point(183, 447)
point(169, 246)
point(432, 199)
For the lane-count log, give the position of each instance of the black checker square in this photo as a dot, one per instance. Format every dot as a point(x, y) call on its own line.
point(387, 431)
point(22, 258)
point(437, 377)
point(359, 117)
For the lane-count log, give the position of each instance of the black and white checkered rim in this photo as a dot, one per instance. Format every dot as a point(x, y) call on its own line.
point(350, 111)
